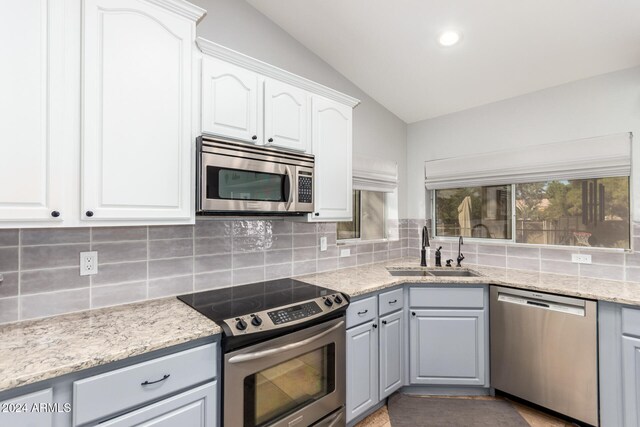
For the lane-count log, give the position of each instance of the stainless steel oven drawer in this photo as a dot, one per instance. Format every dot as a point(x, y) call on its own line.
point(114, 392)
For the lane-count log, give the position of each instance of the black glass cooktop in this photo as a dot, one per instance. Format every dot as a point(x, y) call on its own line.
point(225, 303)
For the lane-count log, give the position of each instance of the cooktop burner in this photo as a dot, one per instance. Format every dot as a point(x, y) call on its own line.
point(249, 313)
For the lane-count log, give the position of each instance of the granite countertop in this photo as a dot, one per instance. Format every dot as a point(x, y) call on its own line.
point(358, 281)
point(37, 350)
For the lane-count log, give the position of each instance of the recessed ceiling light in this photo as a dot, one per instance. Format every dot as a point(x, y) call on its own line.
point(449, 38)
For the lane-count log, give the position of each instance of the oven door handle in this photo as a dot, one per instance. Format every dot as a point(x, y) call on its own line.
point(290, 177)
point(265, 353)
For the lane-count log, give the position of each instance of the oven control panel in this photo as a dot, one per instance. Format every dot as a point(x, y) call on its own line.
point(294, 312)
point(285, 316)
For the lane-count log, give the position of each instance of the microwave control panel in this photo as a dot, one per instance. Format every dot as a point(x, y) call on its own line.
point(305, 189)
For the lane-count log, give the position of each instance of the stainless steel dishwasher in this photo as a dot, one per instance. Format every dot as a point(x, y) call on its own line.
point(544, 350)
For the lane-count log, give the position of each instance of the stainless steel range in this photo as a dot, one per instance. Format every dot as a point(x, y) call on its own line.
point(284, 352)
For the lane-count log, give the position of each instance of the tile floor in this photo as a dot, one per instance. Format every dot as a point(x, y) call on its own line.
point(535, 418)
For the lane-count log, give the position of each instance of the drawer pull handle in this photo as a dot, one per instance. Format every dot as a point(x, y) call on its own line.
point(362, 313)
point(393, 302)
point(157, 381)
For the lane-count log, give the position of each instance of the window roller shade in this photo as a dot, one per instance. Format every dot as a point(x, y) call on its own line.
point(606, 156)
point(374, 174)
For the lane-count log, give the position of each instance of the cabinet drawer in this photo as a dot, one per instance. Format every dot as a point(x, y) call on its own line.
point(462, 297)
point(630, 321)
point(362, 311)
point(390, 301)
point(194, 408)
point(116, 391)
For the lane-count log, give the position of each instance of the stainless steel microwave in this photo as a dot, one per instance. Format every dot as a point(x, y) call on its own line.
point(236, 178)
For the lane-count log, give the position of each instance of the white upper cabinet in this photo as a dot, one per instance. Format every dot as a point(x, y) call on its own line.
point(230, 106)
point(136, 107)
point(31, 128)
point(332, 147)
point(286, 116)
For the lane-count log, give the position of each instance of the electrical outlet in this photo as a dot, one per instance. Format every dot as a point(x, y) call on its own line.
point(345, 252)
point(323, 243)
point(581, 258)
point(88, 263)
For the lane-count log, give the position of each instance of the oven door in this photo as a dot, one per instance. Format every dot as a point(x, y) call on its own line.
point(236, 184)
point(293, 380)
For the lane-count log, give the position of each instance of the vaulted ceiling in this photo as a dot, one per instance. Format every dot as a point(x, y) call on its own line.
point(389, 48)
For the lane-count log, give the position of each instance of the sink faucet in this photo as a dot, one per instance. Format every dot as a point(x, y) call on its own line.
point(460, 256)
point(425, 244)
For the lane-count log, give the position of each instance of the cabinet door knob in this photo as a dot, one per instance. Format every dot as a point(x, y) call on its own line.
point(55, 214)
point(270, 139)
point(384, 322)
point(375, 326)
point(413, 313)
point(89, 214)
point(254, 137)
point(317, 214)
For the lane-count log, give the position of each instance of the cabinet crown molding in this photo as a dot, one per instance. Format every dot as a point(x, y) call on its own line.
point(182, 8)
point(229, 55)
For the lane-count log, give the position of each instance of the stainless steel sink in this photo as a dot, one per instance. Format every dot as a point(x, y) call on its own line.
point(410, 273)
point(437, 273)
point(454, 273)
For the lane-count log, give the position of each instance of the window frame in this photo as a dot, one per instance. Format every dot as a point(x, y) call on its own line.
point(512, 241)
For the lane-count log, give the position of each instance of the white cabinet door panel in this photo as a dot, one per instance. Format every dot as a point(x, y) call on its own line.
point(32, 413)
point(332, 147)
point(391, 354)
point(229, 101)
point(31, 88)
point(286, 118)
point(447, 347)
point(362, 369)
point(136, 160)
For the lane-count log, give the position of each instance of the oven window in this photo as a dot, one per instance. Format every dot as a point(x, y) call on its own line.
point(284, 388)
point(235, 184)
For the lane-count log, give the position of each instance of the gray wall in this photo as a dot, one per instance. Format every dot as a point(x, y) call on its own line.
point(237, 25)
point(601, 105)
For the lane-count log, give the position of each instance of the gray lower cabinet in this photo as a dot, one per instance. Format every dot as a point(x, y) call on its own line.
point(447, 347)
point(28, 410)
point(391, 353)
point(193, 408)
point(105, 396)
point(448, 337)
point(362, 368)
point(631, 380)
point(619, 365)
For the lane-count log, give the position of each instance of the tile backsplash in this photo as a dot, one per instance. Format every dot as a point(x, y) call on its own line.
point(40, 267)
point(610, 265)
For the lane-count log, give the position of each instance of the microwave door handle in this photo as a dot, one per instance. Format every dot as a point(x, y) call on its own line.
point(265, 353)
point(290, 178)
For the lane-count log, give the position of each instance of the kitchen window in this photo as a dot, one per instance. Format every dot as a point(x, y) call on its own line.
point(483, 212)
point(375, 202)
point(369, 217)
point(566, 212)
point(579, 212)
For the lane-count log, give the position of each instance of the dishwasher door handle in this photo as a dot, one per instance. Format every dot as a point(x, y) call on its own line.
point(538, 304)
